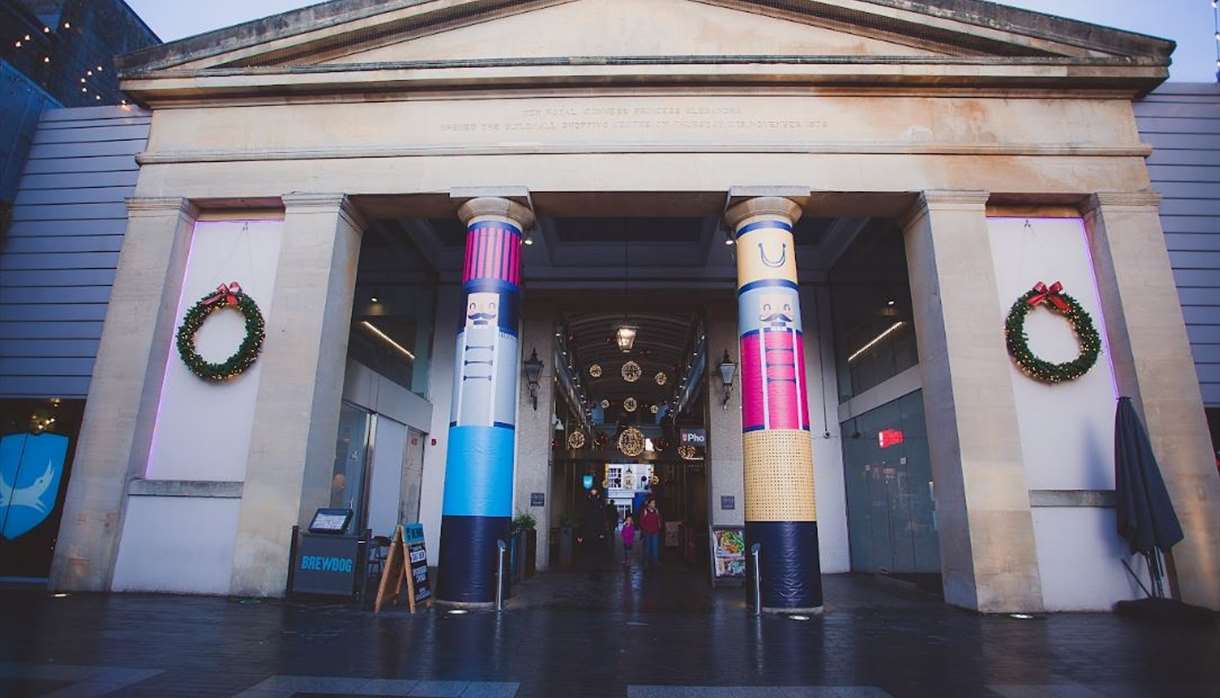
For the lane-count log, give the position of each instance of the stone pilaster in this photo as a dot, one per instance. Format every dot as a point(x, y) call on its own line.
point(534, 428)
point(988, 557)
point(1153, 365)
point(296, 416)
point(122, 407)
point(723, 421)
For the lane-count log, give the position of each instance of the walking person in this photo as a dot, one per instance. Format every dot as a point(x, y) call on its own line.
point(593, 546)
point(651, 525)
point(626, 531)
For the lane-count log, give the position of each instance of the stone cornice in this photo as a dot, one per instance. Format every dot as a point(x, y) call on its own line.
point(309, 202)
point(957, 199)
point(204, 489)
point(944, 200)
point(873, 73)
point(142, 206)
point(1120, 199)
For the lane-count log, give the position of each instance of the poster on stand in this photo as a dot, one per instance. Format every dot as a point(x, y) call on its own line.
point(728, 554)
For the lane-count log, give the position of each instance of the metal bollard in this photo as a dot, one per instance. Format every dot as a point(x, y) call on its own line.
point(500, 575)
point(754, 553)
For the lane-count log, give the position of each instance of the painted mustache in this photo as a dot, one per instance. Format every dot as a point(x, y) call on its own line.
point(776, 317)
point(481, 318)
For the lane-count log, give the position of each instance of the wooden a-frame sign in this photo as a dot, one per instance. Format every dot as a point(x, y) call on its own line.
point(396, 571)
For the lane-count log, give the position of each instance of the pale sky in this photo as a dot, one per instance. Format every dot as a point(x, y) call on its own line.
point(1191, 23)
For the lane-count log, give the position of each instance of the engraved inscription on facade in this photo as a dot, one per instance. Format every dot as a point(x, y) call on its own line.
point(623, 118)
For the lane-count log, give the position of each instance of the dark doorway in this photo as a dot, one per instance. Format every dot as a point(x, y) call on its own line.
point(629, 424)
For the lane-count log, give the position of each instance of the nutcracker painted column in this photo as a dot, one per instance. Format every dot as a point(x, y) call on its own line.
point(478, 501)
point(781, 513)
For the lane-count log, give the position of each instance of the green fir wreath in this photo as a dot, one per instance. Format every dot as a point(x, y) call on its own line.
point(230, 296)
point(1056, 301)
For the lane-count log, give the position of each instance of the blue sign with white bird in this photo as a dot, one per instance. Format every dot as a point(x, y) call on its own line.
point(31, 470)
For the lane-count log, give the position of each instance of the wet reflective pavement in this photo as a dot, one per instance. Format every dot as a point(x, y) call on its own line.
point(654, 634)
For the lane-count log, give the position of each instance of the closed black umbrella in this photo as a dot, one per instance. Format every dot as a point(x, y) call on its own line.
point(1145, 514)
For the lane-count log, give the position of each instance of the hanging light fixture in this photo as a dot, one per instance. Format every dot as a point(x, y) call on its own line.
point(624, 337)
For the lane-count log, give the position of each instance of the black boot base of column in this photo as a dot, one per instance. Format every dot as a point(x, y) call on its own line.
point(469, 559)
point(791, 570)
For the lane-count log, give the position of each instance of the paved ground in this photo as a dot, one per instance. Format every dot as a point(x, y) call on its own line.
point(611, 634)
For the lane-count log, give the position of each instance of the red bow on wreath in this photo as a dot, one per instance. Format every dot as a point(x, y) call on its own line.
point(226, 293)
point(1043, 293)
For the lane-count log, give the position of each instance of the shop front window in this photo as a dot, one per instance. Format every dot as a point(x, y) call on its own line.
point(874, 331)
point(347, 482)
point(37, 440)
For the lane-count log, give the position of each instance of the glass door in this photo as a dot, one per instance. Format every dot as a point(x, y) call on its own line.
point(890, 514)
point(347, 483)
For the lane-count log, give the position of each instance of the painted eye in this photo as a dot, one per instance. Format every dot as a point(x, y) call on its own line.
point(766, 307)
point(787, 307)
point(491, 307)
point(473, 307)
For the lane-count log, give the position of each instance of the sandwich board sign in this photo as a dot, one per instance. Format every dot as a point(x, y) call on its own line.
point(418, 587)
point(406, 565)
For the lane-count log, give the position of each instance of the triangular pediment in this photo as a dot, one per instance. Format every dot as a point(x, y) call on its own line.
point(343, 33)
point(620, 28)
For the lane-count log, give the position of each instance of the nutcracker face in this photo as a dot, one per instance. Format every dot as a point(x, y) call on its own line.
point(775, 310)
point(482, 309)
point(484, 383)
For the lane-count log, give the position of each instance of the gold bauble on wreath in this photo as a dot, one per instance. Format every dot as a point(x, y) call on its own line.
point(631, 442)
point(631, 372)
point(576, 439)
point(661, 378)
point(595, 370)
point(630, 404)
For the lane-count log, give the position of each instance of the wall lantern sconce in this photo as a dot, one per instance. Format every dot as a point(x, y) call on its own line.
point(533, 371)
point(728, 370)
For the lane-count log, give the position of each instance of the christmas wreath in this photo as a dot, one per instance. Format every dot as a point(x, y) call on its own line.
point(230, 296)
point(1018, 342)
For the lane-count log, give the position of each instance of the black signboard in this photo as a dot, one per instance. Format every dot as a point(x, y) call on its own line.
point(537, 499)
point(330, 521)
point(326, 564)
point(417, 563)
point(728, 501)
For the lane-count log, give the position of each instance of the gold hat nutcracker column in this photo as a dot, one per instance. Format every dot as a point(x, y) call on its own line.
point(781, 514)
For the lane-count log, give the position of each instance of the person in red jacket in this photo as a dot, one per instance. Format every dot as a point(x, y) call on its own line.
point(650, 526)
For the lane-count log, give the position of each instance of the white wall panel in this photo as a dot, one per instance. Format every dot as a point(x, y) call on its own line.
point(203, 429)
point(1067, 429)
point(177, 544)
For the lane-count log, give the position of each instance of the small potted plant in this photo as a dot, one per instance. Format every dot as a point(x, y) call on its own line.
point(525, 524)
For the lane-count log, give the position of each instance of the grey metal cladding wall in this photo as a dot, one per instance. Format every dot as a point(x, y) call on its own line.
point(1182, 123)
point(60, 251)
